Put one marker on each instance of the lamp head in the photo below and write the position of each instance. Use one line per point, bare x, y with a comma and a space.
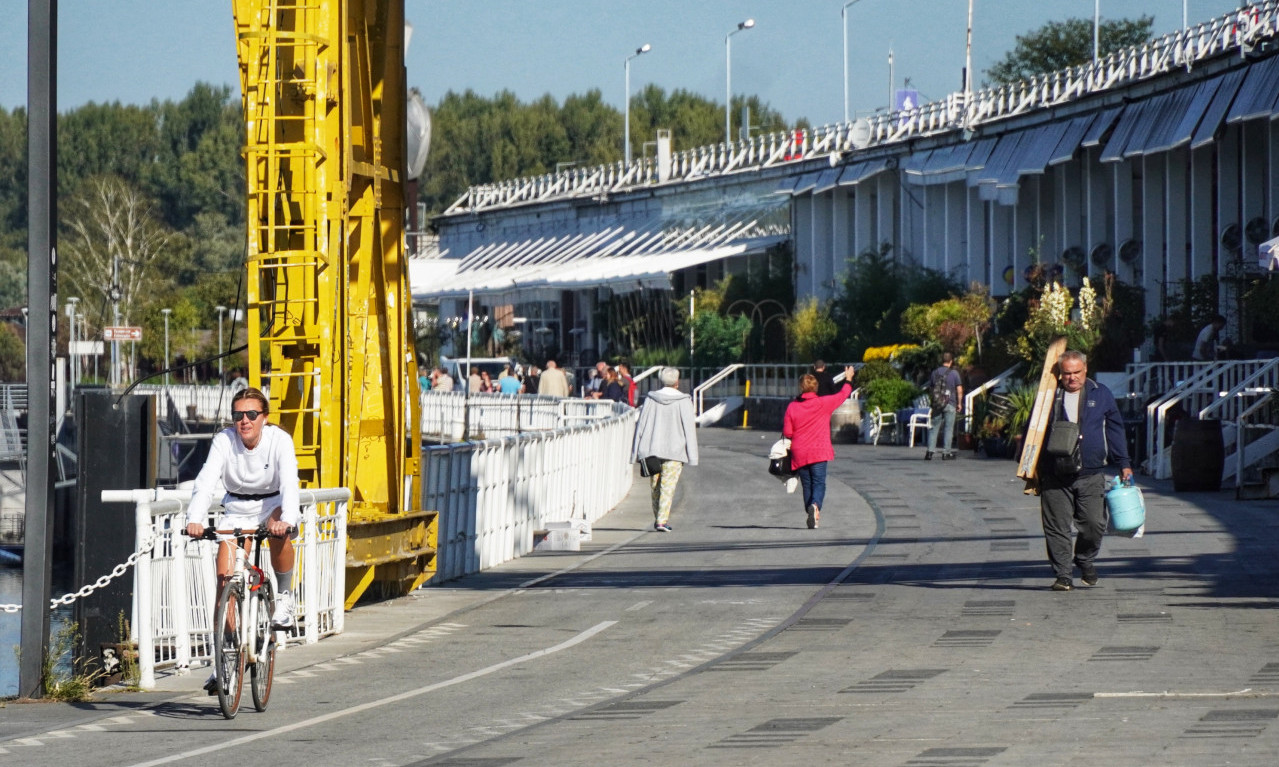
746, 24
645, 48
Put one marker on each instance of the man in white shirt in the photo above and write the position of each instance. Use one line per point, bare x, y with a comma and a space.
1207, 343
255, 465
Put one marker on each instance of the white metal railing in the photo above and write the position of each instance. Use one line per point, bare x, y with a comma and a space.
990, 385
1230, 406
455, 415
1250, 450
699, 393
1239, 31
491, 495
13, 397
1192, 395
175, 583
191, 400
1143, 380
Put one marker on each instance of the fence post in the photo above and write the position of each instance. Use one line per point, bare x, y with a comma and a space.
142, 598
179, 598
310, 570
339, 568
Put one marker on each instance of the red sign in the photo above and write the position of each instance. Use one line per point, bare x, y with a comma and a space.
122, 333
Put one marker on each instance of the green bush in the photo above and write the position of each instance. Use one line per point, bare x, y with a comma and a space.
875, 371
890, 395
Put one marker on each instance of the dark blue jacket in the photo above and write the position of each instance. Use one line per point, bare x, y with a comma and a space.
1101, 430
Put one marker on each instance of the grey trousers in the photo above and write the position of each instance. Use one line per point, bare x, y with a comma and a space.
1082, 500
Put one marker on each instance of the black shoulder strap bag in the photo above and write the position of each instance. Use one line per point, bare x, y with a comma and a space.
1062, 445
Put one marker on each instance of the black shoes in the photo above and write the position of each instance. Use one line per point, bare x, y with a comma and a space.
661, 527
1063, 584
1088, 575
948, 456
928, 455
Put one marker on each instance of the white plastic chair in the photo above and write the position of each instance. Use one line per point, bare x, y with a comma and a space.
920, 421
878, 420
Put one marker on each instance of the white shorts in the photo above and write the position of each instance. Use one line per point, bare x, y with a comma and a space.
245, 514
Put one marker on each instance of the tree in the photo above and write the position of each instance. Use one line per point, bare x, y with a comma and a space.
13, 355
112, 226
1059, 45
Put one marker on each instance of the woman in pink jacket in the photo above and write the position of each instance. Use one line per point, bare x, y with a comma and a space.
807, 426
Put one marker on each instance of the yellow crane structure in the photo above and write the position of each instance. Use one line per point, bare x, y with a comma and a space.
330, 326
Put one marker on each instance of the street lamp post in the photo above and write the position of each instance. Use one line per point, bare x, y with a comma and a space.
728, 78
220, 310
626, 129
166, 313
843, 22
71, 341
1096, 30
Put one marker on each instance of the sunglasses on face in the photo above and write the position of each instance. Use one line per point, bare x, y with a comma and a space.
252, 415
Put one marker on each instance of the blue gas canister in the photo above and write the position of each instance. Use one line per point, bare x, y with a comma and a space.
1127, 507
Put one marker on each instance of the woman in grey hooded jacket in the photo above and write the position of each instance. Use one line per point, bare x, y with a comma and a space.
666, 431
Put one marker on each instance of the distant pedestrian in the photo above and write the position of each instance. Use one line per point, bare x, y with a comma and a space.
595, 380
666, 430
612, 388
1073, 489
474, 382
509, 383
553, 382
628, 383
807, 426
532, 379
825, 379
1207, 344
238, 382
441, 381
945, 399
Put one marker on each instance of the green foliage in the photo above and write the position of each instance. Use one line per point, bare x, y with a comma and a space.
811, 331
13, 355
767, 296
1021, 401
1058, 45
718, 340
1123, 328
890, 395
956, 323
876, 291
482, 140
65, 678
643, 358
875, 371
1261, 305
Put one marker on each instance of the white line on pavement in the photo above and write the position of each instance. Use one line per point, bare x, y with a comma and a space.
582, 637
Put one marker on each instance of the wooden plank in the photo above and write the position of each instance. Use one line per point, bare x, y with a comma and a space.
1038, 427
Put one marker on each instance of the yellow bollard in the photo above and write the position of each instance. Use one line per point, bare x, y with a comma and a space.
746, 412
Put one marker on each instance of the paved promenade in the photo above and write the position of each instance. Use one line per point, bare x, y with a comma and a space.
914, 627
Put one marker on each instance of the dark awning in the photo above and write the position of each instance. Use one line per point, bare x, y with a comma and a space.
857, 172
1161, 112
806, 182
993, 168
1070, 139
1129, 122
1097, 131
1207, 130
1183, 127
1258, 93
1041, 143
828, 180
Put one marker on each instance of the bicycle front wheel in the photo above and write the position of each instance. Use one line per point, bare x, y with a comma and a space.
228, 661
263, 668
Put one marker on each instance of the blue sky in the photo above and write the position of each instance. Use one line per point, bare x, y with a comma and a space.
135, 50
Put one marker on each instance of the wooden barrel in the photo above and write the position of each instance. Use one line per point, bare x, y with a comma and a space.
1198, 456
846, 422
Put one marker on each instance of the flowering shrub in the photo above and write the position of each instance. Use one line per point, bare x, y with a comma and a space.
887, 353
1050, 316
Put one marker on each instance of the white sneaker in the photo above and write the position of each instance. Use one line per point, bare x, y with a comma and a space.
282, 618
791, 484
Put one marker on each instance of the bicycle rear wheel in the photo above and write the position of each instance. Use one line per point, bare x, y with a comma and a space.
263, 669
228, 661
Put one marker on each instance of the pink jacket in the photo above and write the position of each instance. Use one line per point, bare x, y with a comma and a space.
807, 425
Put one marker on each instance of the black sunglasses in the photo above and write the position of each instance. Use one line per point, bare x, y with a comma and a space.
236, 415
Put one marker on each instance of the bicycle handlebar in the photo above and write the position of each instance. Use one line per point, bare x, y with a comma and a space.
212, 533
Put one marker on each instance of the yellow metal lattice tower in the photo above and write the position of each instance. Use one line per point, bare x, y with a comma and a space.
329, 310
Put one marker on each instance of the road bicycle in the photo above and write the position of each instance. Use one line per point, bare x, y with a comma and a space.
242, 633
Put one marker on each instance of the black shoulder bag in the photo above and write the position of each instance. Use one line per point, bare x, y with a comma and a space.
1062, 445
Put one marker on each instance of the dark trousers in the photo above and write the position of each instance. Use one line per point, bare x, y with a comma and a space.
1079, 499
813, 478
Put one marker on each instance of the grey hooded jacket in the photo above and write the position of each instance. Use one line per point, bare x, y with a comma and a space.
666, 427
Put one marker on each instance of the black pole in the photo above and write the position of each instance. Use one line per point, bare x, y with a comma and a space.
42, 334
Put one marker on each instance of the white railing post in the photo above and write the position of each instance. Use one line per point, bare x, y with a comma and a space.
179, 603
311, 570
142, 596
339, 582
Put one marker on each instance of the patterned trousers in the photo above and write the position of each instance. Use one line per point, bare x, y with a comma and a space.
663, 487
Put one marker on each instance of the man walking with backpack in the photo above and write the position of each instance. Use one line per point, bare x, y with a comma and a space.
945, 396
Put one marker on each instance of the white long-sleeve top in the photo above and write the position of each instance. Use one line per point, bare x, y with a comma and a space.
271, 467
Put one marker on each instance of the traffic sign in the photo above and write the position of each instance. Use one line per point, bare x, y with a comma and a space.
122, 333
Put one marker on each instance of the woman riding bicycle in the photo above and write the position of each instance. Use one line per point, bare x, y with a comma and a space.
254, 463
